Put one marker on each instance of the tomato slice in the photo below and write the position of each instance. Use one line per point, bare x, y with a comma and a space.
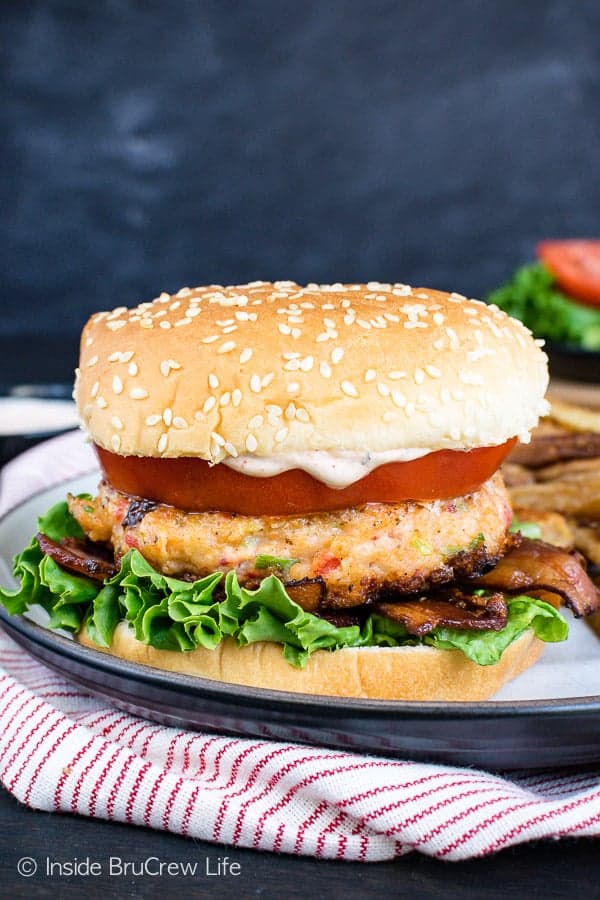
191, 484
576, 266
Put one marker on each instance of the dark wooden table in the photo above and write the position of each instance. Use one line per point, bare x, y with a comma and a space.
569, 868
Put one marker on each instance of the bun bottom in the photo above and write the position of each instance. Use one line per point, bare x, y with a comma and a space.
383, 673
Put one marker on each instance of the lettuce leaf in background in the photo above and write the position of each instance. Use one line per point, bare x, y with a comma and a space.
533, 297
171, 614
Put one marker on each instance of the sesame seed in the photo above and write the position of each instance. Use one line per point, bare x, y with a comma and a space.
284, 329
325, 369
153, 420
138, 394
433, 371
210, 339
245, 355
218, 438
230, 329
337, 355
179, 422
438, 344
101, 403
119, 323
363, 324
229, 448
227, 347
296, 333
146, 323
162, 442
92, 361
255, 384
323, 336
281, 435
213, 381
307, 363
397, 375
291, 354
115, 442
292, 387
164, 324
256, 422
419, 376
117, 385
389, 416
251, 443
370, 375
225, 398
116, 423
438, 318
236, 397
302, 415
292, 365
290, 411
167, 365
209, 404
383, 389
398, 398
349, 389
120, 357
95, 388
167, 416
133, 369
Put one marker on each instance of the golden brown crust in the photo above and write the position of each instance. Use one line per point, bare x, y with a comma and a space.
266, 369
384, 673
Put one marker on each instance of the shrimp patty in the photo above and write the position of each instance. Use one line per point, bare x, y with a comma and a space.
357, 555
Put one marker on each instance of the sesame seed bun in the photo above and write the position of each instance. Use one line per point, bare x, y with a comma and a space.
382, 673
268, 369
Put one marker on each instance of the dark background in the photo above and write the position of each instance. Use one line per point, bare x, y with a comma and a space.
149, 145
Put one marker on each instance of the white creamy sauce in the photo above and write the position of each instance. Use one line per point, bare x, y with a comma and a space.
336, 470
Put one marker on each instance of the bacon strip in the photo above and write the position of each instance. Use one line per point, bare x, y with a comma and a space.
456, 610
535, 565
79, 556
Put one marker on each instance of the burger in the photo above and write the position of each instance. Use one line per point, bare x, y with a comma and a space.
300, 490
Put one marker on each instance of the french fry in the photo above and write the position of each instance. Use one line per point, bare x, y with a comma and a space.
573, 469
575, 418
579, 498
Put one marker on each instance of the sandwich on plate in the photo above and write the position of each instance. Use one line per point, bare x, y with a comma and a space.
300, 490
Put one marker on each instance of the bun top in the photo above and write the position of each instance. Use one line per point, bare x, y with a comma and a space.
267, 369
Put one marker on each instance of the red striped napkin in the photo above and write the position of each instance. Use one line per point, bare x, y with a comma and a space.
61, 749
